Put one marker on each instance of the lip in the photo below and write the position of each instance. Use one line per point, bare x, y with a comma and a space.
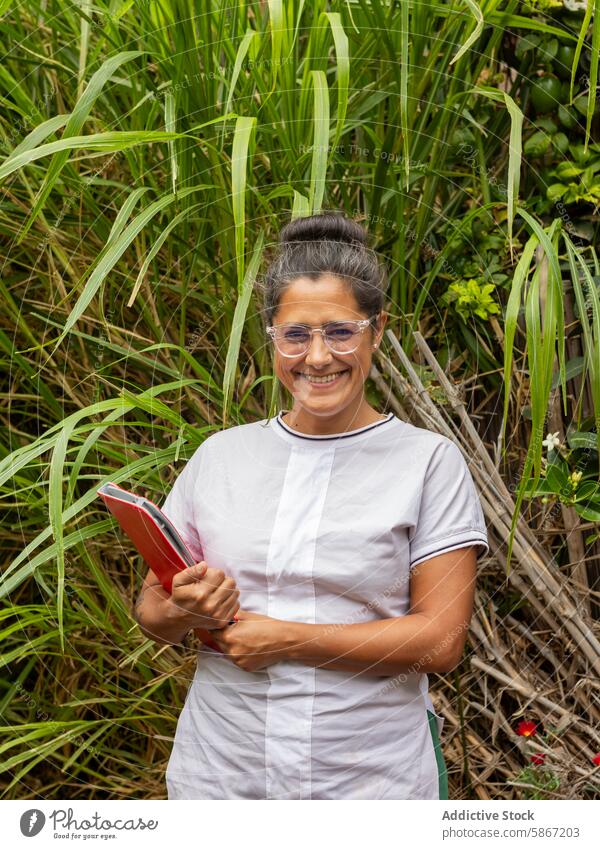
322, 386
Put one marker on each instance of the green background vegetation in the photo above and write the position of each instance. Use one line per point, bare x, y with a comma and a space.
150, 153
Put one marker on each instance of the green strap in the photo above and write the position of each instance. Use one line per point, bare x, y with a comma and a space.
441, 764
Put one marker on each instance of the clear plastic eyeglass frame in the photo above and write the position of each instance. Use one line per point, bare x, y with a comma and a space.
360, 325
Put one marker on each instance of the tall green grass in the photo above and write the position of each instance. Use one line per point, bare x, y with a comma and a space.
150, 153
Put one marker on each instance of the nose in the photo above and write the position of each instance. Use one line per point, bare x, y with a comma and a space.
318, 352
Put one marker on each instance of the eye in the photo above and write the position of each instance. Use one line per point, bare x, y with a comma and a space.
295, 333
340, 332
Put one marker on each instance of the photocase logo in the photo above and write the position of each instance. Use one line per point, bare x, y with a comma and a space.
64, 824
32, 822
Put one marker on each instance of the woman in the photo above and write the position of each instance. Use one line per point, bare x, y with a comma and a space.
344, 541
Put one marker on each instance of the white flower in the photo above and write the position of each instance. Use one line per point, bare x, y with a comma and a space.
551, 441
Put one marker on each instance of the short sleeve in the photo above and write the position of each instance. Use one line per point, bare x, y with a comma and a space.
450, 514
180, 504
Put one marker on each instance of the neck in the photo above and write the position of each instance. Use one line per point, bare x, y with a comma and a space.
351, 417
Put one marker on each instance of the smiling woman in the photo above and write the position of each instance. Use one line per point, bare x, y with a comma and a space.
327, 279
350, 538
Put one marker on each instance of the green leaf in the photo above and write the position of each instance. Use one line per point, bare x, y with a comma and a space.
573, 367
556, 190
244, 127
111, 254
342, 64
568, 170
582, 439
475, 9
510, 321
241, 54
73, 126
557, 475
320, 141
533, 490
591, 330
239, 317
38, 134
587, 513
97, 141
588, 490
537, 144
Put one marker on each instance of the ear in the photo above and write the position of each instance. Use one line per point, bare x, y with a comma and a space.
381, 322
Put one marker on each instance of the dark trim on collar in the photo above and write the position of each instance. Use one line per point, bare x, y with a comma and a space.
347, 435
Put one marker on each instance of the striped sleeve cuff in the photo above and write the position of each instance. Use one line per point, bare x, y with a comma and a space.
461, 539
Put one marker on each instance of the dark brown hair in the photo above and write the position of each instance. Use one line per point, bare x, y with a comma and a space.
327, 243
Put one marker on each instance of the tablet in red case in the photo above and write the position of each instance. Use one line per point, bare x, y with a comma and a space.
154, 536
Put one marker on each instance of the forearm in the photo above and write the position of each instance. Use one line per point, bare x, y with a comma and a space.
160, 620
406, 644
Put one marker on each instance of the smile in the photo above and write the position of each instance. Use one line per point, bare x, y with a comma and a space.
324, 380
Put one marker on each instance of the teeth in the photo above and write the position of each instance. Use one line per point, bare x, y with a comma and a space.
329, 379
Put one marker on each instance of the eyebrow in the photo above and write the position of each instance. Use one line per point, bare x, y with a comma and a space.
329, 321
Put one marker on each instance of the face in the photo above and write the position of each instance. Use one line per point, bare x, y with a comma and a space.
316, 302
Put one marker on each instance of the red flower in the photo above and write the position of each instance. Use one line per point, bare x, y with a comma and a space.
538, 758
596, 759
526, 728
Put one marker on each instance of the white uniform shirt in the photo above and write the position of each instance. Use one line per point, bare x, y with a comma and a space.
317, 529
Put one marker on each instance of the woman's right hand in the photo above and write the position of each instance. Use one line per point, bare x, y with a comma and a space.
205, 597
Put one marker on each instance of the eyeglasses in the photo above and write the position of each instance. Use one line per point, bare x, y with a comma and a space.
341, 337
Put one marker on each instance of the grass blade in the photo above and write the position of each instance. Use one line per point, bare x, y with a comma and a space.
478, 15
239, 168
320, 141
55, 515
510, 323
112, 253
514, 163
239, 318
591, 334
73, 126
342, 61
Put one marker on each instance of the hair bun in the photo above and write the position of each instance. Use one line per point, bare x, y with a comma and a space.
325, 244
324, 226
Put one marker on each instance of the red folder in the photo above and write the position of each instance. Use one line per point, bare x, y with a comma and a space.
154, 536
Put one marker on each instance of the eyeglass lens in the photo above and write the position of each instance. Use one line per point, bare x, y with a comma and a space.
340, 337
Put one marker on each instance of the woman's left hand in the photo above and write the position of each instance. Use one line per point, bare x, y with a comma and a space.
253, 642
